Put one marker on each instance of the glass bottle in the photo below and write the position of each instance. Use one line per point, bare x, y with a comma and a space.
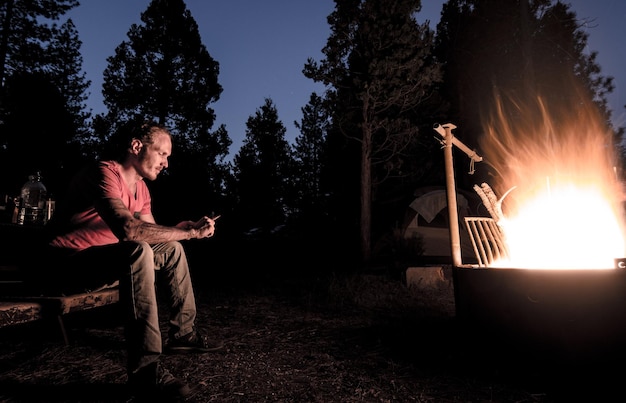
32, 202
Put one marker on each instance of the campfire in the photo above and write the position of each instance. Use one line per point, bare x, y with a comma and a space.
563, 205
545, 277
561, 198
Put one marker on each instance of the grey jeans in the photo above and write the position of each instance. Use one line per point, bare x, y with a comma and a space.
141, 269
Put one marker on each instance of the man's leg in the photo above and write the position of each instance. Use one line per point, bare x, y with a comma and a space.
171, 261
137, 289
146, 375
132, 263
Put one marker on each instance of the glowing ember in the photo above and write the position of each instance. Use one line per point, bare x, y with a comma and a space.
570, 228
566, 209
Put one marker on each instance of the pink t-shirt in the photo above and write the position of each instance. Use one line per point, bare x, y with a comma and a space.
84, 226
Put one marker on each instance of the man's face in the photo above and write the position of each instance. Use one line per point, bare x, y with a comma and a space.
153, 157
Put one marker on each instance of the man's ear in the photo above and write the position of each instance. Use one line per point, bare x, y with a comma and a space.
135, 146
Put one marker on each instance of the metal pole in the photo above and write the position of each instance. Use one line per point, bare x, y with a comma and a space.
455, 236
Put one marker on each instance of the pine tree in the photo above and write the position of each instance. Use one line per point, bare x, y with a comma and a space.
42, 92
380, 72
69, 76
263, 168
164, 72
26, 32
530, 49
309, 154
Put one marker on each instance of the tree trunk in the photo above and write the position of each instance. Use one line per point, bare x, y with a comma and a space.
366, 194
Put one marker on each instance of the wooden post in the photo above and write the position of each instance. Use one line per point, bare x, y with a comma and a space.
448, 141
453, 214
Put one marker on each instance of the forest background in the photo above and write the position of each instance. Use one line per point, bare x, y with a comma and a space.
365, 144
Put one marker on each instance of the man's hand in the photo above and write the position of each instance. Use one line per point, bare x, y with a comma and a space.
203, 228
206, 231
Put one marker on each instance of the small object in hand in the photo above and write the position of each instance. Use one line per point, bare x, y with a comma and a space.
201, 223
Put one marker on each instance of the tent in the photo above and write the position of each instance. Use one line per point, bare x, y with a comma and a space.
427, 217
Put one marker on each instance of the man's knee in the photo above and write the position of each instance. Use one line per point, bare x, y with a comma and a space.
140, 253
169, 255
174, 249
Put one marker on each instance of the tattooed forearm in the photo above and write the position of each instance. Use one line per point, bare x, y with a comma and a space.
128, 228
137, 230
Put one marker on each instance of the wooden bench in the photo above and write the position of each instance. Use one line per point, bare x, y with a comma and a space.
19, 307
15, 310
16, 313
18, 304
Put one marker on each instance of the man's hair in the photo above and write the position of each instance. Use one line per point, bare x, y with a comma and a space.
147, 131
143, 130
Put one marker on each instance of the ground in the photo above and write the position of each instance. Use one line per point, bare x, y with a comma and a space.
297, 337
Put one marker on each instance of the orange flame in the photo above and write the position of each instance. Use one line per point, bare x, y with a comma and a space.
566, 209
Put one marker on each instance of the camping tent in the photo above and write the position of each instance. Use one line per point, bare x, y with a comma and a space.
427, 217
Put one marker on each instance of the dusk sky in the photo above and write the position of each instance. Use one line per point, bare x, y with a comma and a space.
262, 46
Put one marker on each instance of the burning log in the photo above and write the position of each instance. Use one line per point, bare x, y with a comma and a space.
492, 203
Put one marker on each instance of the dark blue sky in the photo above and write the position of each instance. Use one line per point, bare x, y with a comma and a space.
262, 46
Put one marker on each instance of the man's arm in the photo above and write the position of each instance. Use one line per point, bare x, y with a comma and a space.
128, 228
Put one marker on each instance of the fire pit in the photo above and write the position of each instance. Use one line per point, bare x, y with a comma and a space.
545, 279
567, 313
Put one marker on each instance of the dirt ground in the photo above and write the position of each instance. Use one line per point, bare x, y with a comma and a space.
301, 337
